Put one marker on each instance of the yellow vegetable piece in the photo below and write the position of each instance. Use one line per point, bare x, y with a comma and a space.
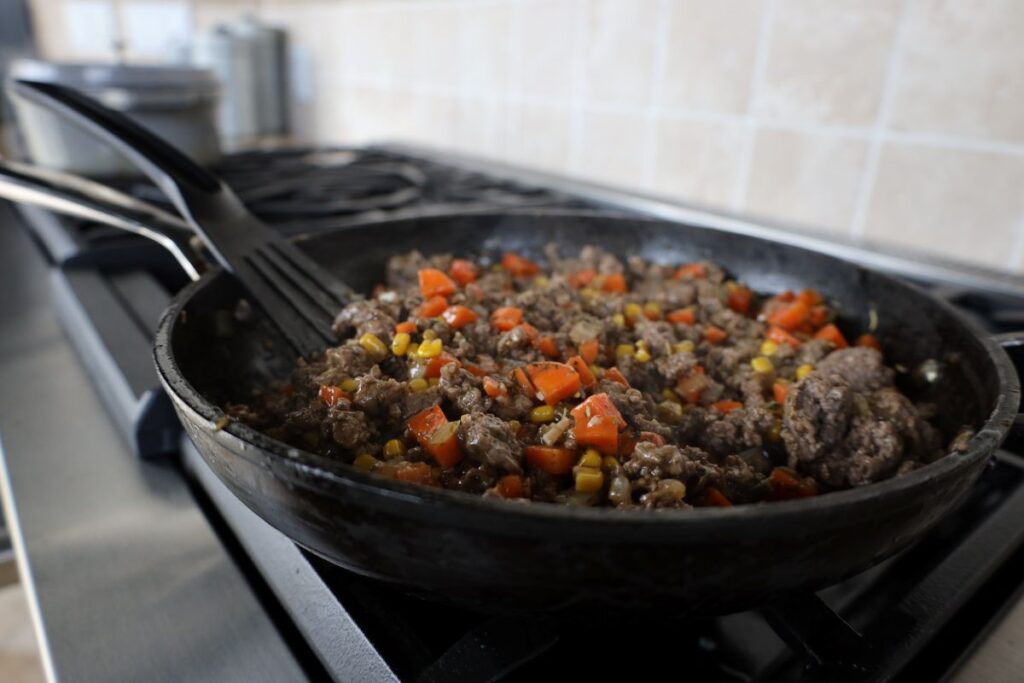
590, 458
633, 311
619, 319
373, 345
684, 347
623, 350
643, 355
762, 365
652, 308
430, 348
417, 385
429, 334
804, 370
433, 381
609, 463
542, 414
400, 344
349, 385
394, 448
768, 348
670, 395
589, 480
365, 462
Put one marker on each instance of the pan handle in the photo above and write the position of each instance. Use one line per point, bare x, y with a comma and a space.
1013, 344
76, 196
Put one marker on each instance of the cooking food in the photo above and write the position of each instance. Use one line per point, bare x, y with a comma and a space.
590, 381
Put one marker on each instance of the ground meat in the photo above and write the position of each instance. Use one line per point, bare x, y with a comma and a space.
674, 353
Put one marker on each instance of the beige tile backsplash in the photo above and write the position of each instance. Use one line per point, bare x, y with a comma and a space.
901, 121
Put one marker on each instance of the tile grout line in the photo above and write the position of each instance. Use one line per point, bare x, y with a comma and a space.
649, 159
764, 36
865, 191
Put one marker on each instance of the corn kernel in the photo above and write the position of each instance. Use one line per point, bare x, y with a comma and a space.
804, 370
619, 320
590, 458
541, 281
413, 348
394, 448
643, 355
430, 348
373, 345
542, 414
429, 334
400, 344
768, 348
433, 381
623, 350
609, 463
731, 286
762, 365
670, 395
652, 309
684, 347
633, 311
597, 370
775, 432
364, 461
417, 385
349, 385
589, 480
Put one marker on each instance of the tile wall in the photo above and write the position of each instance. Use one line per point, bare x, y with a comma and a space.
899, 121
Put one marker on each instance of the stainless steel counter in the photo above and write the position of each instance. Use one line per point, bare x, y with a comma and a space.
126, 579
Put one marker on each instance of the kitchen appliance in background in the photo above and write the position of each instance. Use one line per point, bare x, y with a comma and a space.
249, 59
179, 103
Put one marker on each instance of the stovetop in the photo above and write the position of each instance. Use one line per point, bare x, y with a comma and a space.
913, 617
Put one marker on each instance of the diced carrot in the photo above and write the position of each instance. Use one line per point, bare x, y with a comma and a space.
598, 404
443, 445
780, 336
530, 330
785, 297
693, 385
476, 370
424, 423
582, 278
683, 316
818, 316
506, 318
598, 431
463, 271
510, 486
740, 300
494, 388
587, 378
332, 395
697, 271
810, 297
408, 327
613, 374
554, 381
433, 307
415, 473
435, 364
458, 317
548, 347
726, 406
786, 484
524, 382
779, 392
551, 460
519, 266
870, 341
433, 282
790, 317
712, 497
831, 333
590, 350
615, 282
652, 437
714, 335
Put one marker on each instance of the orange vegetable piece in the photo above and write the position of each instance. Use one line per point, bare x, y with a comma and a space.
554, 381
780, 336
600, 405
530, 330
548, 347
433, 307
463, 271
332, 395
443, 445
582, 278
415, 473
714, 335
712, 497
740, 299
615, 282
433, 282
524, 382
869, 340
810, 297
818, 316
590, 350
786, 484
697, 271
727, 406
458, 317
506, 318
598, 431
424, 423
551, 460
831, 333
790, 317
613, 374
652, 437
786, 296
519, 266
435, 364
494, 388
779, 392
408, 327
476, 370
587, 378
510, 486
683, 316
693, 385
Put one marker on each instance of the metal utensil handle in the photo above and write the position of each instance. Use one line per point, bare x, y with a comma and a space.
19, 183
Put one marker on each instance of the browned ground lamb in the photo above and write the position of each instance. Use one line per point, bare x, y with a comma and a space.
593, 381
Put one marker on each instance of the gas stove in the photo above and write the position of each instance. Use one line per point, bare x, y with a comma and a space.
917, 616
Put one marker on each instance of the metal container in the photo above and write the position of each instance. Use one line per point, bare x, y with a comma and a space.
177, 103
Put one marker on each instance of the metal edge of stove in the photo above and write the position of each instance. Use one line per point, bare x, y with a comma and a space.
893, 260
339, 642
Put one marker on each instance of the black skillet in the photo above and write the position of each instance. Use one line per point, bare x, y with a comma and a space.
498, 556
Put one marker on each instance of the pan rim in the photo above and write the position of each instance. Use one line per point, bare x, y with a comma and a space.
479, 509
